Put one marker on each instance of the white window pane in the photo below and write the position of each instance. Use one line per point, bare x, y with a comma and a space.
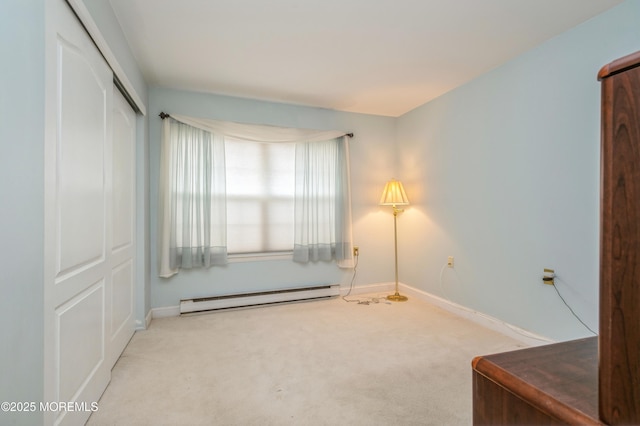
260, 190
244, 168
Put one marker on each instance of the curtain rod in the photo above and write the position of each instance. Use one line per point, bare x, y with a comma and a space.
164, 115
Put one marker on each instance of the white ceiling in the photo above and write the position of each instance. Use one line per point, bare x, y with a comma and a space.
381, 57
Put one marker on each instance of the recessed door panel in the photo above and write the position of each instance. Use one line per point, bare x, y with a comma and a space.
80, 340
123, 172
121, 298
82, 138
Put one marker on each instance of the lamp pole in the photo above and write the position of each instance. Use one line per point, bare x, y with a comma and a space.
397, 297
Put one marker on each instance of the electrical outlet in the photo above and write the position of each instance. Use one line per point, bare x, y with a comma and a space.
356, 250
450, 262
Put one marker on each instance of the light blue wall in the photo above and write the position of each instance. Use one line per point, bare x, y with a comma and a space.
372, 163
504, 175
104, 17
22, 205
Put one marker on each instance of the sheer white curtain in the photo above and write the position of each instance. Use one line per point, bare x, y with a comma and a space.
195, 146
322, 203
192, 215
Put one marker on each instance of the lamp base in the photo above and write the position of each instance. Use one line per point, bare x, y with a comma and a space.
397, 297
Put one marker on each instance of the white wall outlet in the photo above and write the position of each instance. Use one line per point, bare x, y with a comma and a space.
450, 262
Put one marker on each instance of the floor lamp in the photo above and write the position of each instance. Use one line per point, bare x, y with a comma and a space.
394, 195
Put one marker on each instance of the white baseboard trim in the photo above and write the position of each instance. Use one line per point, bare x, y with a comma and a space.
148, 319
143, 324
165, 312
522, 335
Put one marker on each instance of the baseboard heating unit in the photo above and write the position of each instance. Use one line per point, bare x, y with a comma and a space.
262, 298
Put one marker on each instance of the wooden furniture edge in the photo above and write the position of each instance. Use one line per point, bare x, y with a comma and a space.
618, 375
619, 65
531, 394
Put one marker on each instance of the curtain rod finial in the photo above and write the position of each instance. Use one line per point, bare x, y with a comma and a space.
163, 115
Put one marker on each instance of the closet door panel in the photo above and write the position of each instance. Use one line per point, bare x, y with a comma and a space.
77, 204
121, 293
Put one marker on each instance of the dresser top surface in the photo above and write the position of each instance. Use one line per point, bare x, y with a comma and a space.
561, 378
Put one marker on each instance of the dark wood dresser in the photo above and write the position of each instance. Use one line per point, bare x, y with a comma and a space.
594, 380
545, 385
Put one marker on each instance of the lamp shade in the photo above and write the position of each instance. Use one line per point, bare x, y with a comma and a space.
393, 194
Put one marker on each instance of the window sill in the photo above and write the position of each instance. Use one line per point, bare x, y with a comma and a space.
259, 257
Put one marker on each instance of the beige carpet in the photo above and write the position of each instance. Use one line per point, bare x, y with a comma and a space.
318, 363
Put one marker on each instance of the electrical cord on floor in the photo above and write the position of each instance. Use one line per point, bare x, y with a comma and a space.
353, 277
567, 305
366, 301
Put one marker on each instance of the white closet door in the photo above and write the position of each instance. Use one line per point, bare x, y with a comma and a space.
120, 301
78, 217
